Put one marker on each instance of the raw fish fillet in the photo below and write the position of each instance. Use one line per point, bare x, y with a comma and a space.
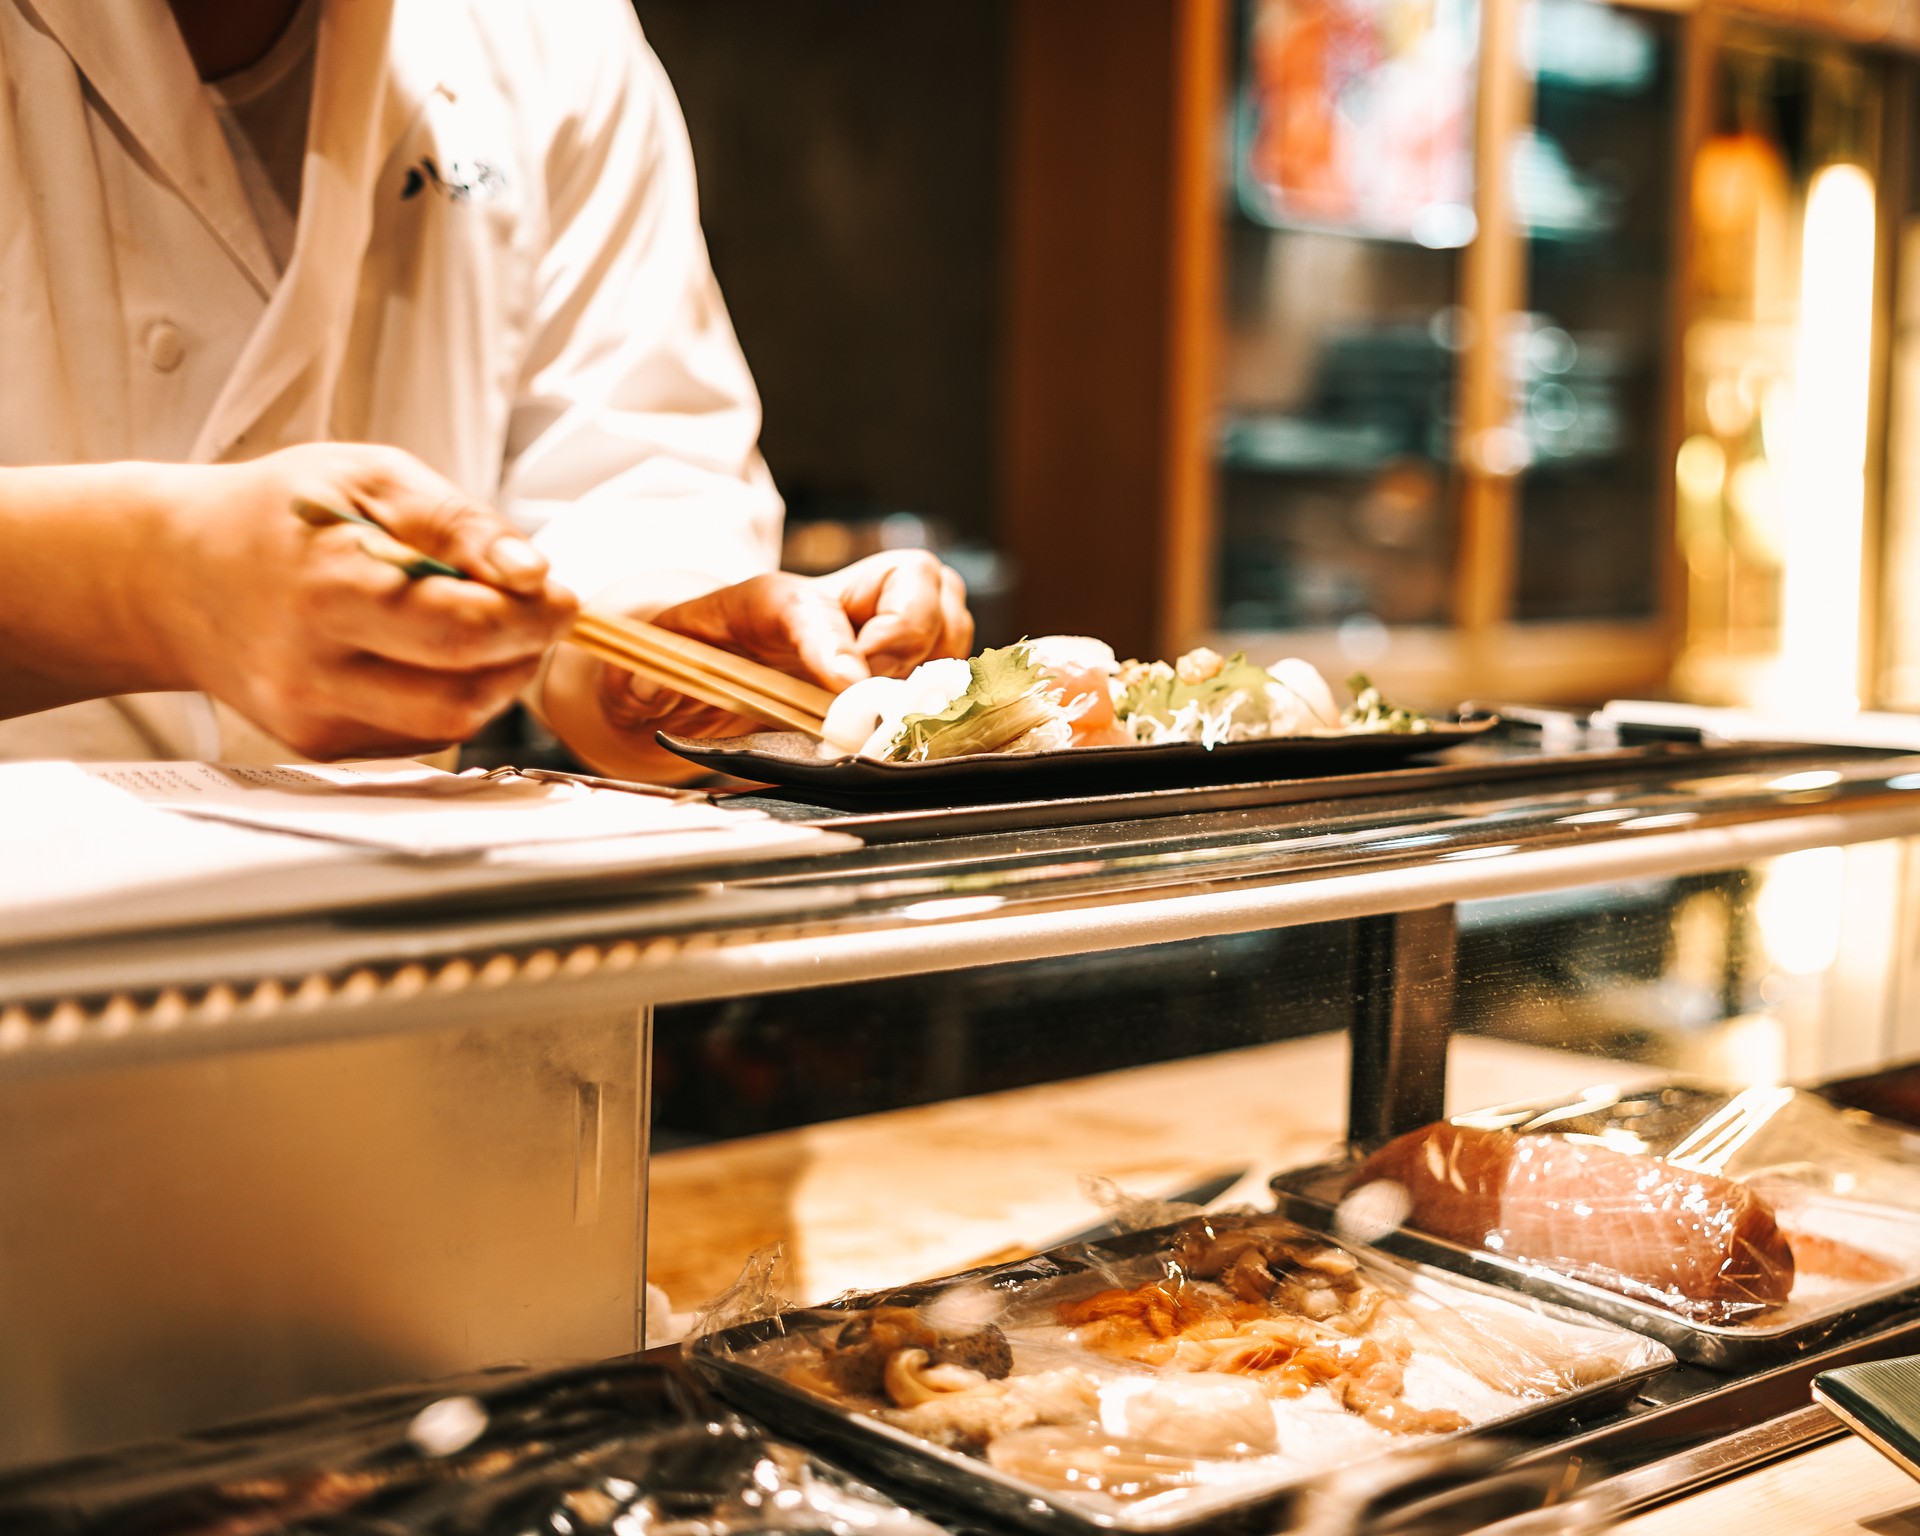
1702, 1246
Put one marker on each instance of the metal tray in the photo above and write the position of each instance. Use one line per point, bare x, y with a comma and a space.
788, 758
967, 1483
1311, 1196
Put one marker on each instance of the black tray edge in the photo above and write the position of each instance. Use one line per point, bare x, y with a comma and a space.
1142, 764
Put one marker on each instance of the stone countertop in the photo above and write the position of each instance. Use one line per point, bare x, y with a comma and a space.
884, 1199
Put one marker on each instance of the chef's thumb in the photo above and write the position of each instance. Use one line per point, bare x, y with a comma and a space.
823, 637
435, 518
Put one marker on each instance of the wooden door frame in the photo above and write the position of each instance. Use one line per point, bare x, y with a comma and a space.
1112, 315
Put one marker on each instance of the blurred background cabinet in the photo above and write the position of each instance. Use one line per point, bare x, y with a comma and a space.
1539, 348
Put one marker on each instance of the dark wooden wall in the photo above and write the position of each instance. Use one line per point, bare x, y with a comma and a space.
971, 253
1109, 314
849, 154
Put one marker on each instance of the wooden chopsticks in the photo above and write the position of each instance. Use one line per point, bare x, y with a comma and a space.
702, 671
688, 666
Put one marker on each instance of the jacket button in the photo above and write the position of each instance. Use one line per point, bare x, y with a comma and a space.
165, 346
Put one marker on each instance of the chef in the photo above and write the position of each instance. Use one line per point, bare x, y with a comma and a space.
435, 261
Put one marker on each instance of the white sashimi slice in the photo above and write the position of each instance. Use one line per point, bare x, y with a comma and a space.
856, 714
1072, 653
1312, 700
866, 718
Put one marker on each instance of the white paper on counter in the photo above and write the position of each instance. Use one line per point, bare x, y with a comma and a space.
1861, 728
402, 806
81, 856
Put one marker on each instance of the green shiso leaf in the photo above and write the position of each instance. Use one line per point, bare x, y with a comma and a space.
1006, 698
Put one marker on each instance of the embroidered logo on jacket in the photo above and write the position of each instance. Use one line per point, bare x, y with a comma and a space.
463, 179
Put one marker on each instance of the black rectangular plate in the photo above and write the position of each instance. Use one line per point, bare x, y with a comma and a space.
791, 759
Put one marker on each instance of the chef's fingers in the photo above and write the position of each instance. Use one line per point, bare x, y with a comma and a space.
816, 627
633, 704
905, 619
791, 622
424, 509
436, 622
355, 704
956, 618
702, 722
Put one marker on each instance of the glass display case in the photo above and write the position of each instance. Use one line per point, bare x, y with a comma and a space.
1349, 324
1593, 195
1547, 424
1444, 426
254, 1163
1353, 192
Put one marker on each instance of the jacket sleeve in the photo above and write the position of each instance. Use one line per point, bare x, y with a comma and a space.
631, 446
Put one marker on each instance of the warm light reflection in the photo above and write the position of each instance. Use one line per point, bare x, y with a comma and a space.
1701, 468
1749, 1049
1798, 910
1813, 778
941, 908
1826, 461
1595, 818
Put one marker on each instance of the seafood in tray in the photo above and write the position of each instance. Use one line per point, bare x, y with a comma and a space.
1063, 712
1164, 1377
1734, 1226
1064, 691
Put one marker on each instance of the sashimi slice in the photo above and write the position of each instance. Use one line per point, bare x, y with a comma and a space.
1700, 1245
1087, 698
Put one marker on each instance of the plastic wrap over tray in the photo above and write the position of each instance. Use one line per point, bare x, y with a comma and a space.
618, 1448
1757, 1221
1166, 1376
1700, 1245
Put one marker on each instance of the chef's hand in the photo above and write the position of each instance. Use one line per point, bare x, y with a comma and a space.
335, 652
883, 615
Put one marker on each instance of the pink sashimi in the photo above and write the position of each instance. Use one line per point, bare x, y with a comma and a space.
1702, 1246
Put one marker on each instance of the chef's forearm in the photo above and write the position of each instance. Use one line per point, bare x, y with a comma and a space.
77, 551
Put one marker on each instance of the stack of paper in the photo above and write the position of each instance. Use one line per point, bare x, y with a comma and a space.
96, 848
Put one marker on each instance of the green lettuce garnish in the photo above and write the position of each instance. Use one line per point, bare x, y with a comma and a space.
1159, 694
1370, 712
1006, 698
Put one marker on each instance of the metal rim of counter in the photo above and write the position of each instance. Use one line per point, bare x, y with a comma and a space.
217, 991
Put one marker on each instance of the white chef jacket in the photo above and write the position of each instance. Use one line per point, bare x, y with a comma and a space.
498, 266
